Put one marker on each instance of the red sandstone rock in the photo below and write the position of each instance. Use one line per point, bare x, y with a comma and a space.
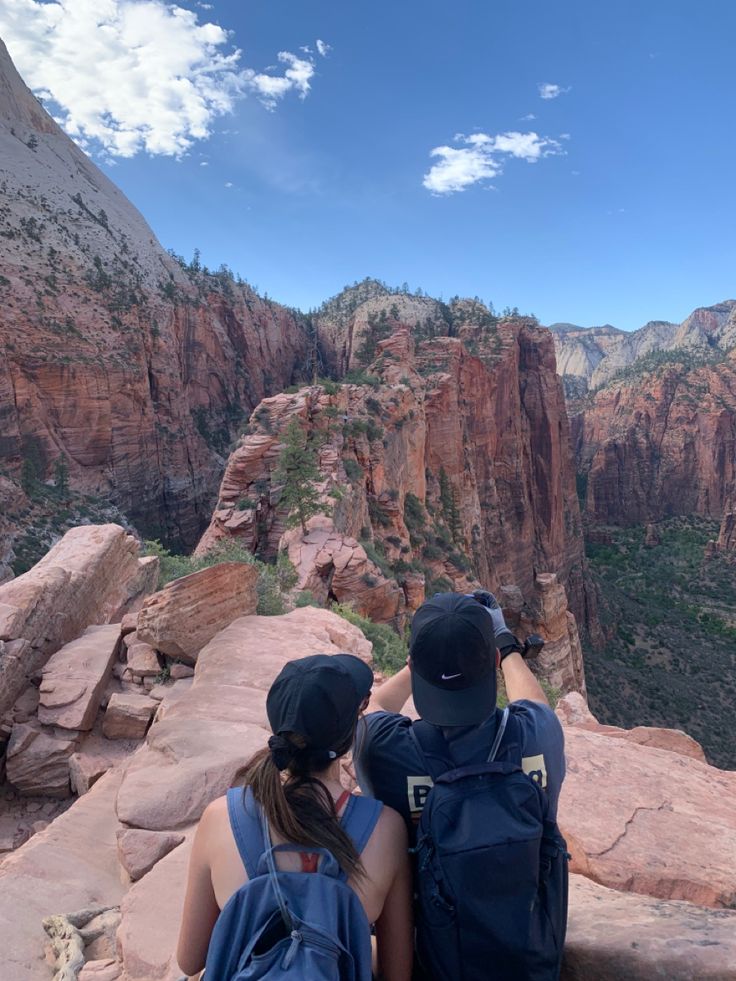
613, 935
100, 970
181, 618
125, 381
179, 671
494, 425
652, 449
128, 716
74, 679
143, 661
89, 577
663, 824
573, 710
38, 763
139, 851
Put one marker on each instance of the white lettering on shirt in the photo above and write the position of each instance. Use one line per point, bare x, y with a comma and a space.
418, 789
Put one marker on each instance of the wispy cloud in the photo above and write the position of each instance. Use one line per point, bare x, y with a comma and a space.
548, 90
125, 76
481, 157
530, 117
323, 48
270, 89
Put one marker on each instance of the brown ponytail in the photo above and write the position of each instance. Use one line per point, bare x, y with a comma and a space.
300, 808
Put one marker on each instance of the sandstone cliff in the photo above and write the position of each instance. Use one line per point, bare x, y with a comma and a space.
659, 443
118, 367
445, 463
590, 357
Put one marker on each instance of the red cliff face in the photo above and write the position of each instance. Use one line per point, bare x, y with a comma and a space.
114, 359
659, 444
449, 467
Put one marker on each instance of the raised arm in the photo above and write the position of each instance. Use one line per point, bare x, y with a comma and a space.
393, 694
519, 680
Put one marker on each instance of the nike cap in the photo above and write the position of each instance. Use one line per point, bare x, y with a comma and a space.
453, 655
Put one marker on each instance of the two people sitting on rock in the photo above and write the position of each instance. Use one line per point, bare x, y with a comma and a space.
472, 787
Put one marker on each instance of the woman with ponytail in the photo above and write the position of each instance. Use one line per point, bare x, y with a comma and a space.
293, 787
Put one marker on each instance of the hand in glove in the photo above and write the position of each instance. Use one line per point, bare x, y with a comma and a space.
505, 640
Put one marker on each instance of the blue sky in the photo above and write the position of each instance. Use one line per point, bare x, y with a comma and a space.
624, 216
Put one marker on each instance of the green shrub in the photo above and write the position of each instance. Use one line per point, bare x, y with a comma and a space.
389, 649
305, 598
353, 470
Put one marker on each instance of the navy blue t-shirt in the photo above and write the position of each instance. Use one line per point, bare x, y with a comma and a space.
390, 768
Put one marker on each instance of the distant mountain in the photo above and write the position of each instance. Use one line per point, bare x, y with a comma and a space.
589, 357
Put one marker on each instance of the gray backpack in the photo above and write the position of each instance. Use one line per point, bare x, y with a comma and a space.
291, 925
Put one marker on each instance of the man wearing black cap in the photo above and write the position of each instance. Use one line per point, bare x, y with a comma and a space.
457, 642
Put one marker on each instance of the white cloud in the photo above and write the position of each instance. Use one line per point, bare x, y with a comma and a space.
270, 89
530, 117
548, 90
126, 76
481, 158
323, 48
228, 183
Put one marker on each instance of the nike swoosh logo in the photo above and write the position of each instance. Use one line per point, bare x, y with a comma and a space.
449, 677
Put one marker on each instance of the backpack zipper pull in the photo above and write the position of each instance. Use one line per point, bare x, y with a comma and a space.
296, 939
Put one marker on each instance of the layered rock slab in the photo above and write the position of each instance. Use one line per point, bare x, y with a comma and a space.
188, 612
89, 577
74, 679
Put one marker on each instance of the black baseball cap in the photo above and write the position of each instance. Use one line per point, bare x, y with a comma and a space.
453, 656
318, 697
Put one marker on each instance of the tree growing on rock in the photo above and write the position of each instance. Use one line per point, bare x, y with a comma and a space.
298, 473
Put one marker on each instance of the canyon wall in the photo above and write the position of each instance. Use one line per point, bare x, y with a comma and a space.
447, 464
659, 443
123, 372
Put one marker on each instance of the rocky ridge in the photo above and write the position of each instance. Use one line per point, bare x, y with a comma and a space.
589, 357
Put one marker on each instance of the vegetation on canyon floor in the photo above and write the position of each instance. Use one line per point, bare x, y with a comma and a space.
670, 618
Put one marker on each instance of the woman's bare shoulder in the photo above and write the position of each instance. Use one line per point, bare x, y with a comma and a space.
390, 828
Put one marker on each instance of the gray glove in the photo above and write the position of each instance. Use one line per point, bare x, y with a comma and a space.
505, 640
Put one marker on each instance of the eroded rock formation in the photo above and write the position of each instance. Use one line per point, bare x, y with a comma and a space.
122, 374
446, 464
659, 444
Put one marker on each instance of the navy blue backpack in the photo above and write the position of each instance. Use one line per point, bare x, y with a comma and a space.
291, 925
492, 871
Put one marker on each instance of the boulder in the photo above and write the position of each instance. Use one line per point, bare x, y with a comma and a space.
139, 851
179, 671
74, 679
38, 762
572, 709
188, 612
94, 756
663, 824
613, 935
143, 661
128, 716
89, 577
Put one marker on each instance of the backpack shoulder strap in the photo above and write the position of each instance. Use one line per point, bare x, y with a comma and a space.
360, 818
431, 746
247, 828
509, 739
